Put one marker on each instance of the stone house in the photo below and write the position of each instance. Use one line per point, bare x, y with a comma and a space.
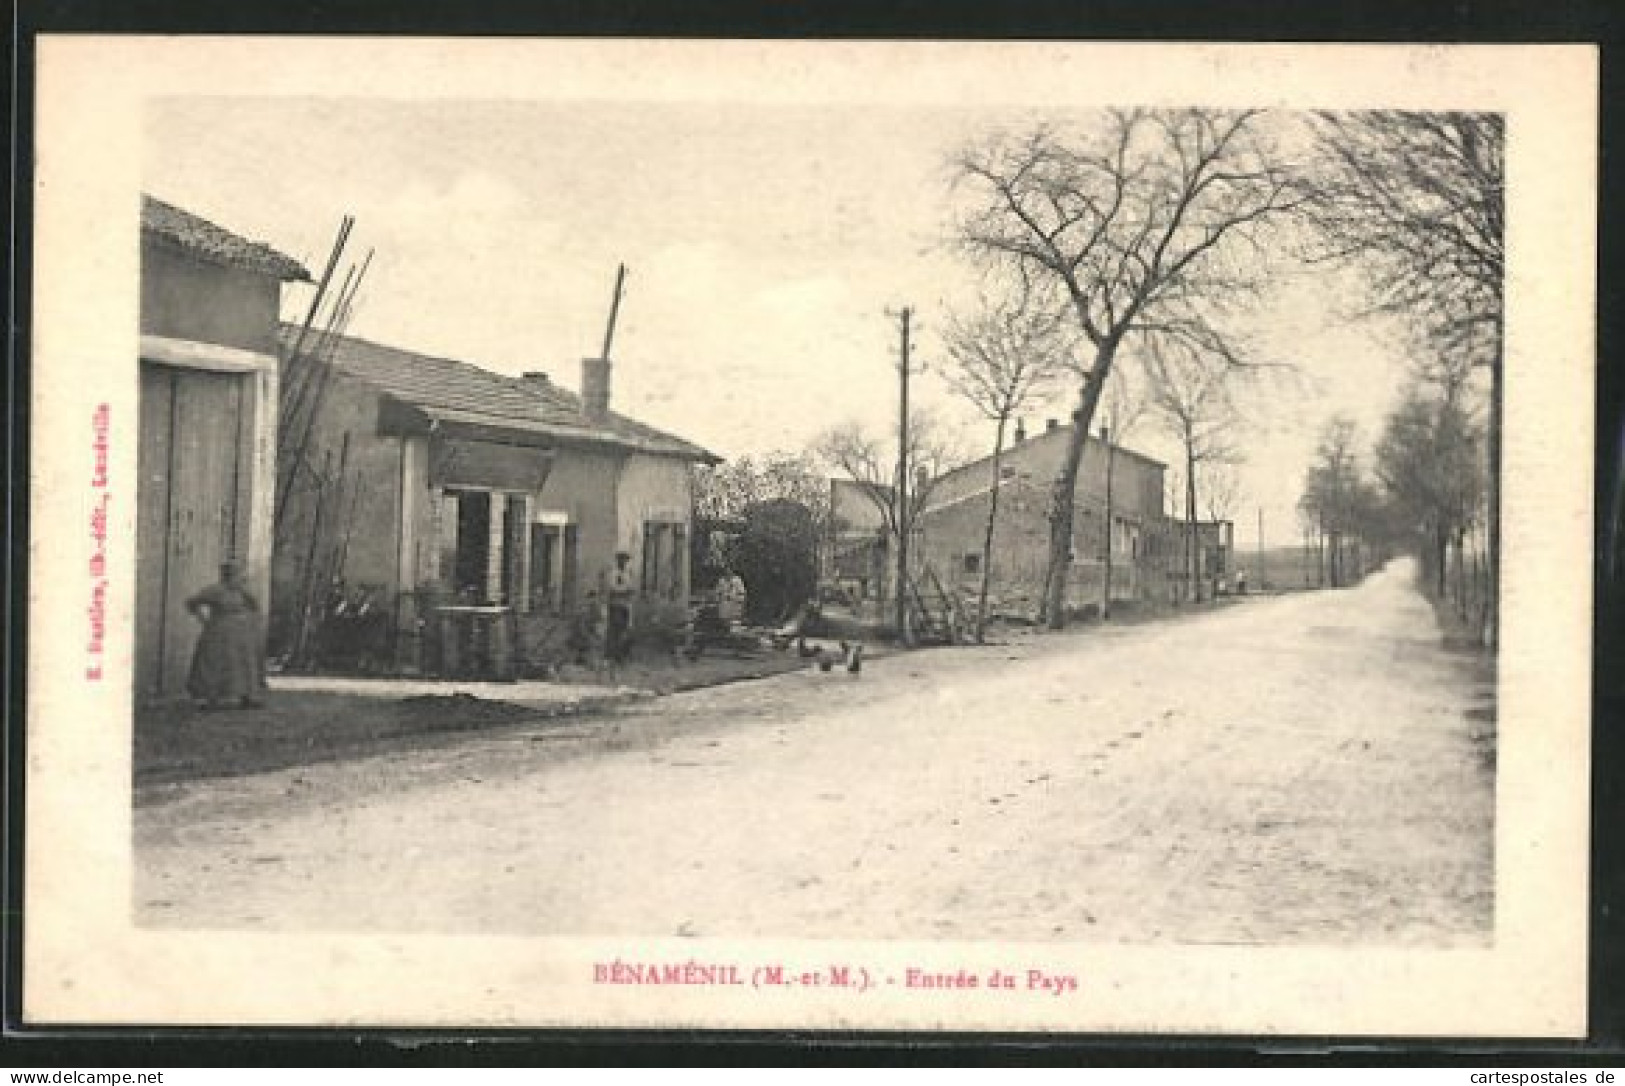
951, 529
445, 486
207, 429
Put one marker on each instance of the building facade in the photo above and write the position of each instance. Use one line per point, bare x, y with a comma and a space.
1118, 521
208, 426
1214, 566
857, 550
430, 485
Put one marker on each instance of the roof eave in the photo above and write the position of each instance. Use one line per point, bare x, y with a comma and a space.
272, 265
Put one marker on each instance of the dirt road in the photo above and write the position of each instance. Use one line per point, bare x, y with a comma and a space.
1290, 770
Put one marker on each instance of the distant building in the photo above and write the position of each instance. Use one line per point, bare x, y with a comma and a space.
856, 551
1215, 555
208, 426
950, 530
467, 489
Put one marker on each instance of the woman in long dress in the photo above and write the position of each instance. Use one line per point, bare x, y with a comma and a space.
228, 666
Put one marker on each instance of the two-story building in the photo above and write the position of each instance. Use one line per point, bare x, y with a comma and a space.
1119, 491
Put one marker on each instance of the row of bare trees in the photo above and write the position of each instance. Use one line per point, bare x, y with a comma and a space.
1117, 256
1148, 230
1432, 463
1133, 239
1416, 201
1427, 489
1341, 510
1152, 228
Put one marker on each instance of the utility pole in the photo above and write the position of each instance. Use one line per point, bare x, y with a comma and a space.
1260, 576
905, 522
1106, 595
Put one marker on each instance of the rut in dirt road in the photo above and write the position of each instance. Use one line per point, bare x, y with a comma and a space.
1291, 770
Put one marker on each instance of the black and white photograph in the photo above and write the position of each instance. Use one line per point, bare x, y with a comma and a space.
870, 535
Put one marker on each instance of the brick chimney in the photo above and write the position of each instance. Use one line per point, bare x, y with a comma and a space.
1021, 431
595, 389
537, 379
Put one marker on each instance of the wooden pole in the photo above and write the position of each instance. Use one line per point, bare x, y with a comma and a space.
345, 225
614, 309
300, 390
293, 429
900, 492
302, 630
1106, 595
322, 377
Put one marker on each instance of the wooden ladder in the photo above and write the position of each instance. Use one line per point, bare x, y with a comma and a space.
945, 623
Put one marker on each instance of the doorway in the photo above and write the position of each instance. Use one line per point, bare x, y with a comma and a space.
190, 510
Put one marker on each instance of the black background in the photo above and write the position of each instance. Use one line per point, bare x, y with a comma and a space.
1596, 21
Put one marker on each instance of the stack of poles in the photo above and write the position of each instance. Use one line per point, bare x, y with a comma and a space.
336, 497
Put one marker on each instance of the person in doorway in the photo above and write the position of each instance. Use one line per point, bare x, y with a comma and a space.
228, 666
621, 591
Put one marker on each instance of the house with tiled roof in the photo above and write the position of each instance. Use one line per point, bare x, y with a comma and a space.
1118, 518
206, 464
451, 490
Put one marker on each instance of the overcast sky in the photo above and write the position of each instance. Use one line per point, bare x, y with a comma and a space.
765, 246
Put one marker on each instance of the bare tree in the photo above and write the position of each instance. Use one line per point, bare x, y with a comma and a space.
1416, 201
1151, 221
1001, 358
1221, 491
1124, 404
871, 463
1428, 461
1336, 492
1191, 396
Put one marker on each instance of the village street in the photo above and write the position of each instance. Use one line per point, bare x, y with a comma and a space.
1298, 769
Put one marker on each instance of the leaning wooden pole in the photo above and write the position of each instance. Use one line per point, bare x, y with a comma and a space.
294, 430
614, 309
322, 375
300, 389
315, 305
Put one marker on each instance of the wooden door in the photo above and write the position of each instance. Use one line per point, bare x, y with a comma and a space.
514, 525
154, 462
191, 515
544, 552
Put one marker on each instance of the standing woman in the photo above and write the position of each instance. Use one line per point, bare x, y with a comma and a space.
618, 641
228, 666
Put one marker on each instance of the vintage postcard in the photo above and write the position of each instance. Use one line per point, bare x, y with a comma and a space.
962, 536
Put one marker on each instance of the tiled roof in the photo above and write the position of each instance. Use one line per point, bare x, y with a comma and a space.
1017, 482
203, 238
1059, 433
453, 391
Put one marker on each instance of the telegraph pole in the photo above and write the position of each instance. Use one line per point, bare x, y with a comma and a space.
904, 520
1106, 595
1260, 576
